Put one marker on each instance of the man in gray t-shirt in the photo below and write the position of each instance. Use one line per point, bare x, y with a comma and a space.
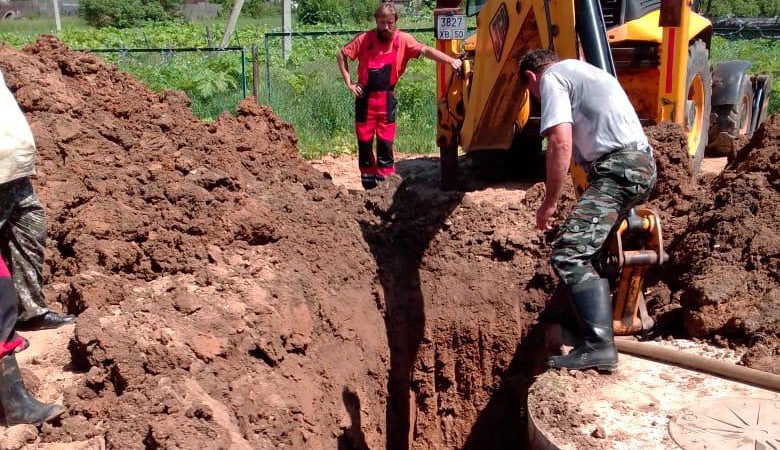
587, 116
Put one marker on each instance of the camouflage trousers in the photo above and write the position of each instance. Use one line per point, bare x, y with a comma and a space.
22, 242
616, 182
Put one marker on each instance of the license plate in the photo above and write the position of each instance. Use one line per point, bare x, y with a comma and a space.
451, 27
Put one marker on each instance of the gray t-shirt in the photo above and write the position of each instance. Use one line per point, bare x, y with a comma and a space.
593, 101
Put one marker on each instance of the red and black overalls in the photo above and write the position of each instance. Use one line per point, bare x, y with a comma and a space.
9, 340
375, 110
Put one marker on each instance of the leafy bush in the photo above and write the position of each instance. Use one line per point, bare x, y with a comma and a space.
126, 13
252, 8
335, 11
741, 8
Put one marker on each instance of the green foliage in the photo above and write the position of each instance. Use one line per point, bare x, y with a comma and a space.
335, 11
126, 13
166, 34
741, 8
252, 8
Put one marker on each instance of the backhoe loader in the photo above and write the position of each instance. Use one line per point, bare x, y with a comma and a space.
658, 50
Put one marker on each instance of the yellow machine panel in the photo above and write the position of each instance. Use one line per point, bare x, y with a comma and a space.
504, 34
646, 28
505, 31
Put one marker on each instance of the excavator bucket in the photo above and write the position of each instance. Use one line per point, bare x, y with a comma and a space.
636, 245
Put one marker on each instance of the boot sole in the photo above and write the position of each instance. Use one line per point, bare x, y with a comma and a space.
602, 368
606, 368
56, 413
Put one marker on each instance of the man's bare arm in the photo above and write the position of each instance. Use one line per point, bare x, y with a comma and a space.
356, 90
559, 148
440, 57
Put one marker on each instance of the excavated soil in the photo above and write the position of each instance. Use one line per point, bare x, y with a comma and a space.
728, 260
226, 295
231, 295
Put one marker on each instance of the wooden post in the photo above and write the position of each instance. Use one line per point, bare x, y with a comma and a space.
267, 69
255, 74
56, 6
209, 37
287, 28
231, 25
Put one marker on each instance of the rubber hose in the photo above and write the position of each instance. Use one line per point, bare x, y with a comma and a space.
700, 363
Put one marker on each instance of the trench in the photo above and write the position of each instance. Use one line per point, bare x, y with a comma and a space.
452, 383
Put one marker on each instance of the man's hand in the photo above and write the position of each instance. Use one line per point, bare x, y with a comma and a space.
543, 216
456, 64
356, 89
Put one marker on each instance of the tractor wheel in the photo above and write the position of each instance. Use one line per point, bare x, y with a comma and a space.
697, 107
763, 88
733, 121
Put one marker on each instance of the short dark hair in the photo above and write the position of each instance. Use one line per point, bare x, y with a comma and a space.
536, 61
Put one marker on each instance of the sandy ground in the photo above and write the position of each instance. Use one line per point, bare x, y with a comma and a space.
47, 373
343, 170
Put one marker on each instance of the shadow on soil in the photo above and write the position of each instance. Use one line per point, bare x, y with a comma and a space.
503, 422
410, 217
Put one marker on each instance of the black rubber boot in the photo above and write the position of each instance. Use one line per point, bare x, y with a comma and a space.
18, 405
45, 321
593, 305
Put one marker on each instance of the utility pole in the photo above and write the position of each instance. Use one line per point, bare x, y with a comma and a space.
287, 28
231, 25
56, 6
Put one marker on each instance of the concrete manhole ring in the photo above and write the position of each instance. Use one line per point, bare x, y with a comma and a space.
728, 424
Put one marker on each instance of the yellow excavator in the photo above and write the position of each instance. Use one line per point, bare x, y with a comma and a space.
659, 52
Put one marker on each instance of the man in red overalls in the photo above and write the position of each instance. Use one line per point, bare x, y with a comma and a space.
382, 55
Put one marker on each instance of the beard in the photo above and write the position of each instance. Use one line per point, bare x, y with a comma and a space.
384, 35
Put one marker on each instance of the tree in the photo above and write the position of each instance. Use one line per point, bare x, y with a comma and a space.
335, 11
127, 13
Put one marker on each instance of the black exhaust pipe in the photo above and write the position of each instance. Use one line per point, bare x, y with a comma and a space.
593, 35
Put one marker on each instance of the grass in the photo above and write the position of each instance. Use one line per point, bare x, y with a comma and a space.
38, 25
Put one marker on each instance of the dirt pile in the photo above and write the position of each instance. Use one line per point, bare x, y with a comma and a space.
729, 259
230, 294
722, 280
226, 295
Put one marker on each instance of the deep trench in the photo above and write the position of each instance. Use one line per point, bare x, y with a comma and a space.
398, 243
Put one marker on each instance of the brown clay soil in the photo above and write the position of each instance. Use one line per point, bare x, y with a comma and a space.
559, 409
232, 295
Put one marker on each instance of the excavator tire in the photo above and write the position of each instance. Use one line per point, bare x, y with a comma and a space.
699, 87
763, 88
733, 121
